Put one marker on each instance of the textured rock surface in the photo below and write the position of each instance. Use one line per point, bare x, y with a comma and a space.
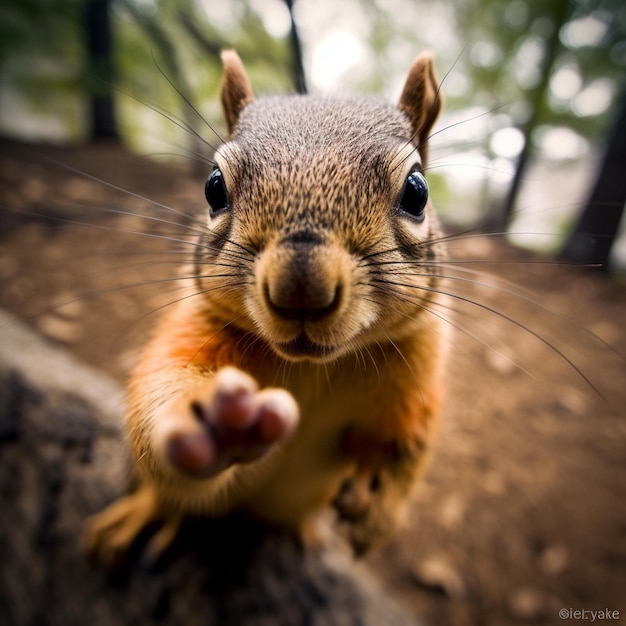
62, 458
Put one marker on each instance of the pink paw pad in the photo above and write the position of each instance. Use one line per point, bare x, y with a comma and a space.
239, 425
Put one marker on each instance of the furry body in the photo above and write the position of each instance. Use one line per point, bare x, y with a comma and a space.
304, 369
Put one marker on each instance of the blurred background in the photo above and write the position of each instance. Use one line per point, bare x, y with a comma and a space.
533, 135
522, 510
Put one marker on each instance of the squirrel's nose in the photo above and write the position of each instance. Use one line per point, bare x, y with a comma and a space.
303, 298
303, 283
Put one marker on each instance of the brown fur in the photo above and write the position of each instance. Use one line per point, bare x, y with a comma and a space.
318, 250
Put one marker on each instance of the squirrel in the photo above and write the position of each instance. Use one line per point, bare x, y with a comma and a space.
304, 369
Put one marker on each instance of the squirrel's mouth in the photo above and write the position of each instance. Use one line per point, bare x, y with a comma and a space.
303, 348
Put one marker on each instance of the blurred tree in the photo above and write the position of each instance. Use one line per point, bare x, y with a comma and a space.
296, 52
91, 57
39, 24
41, 52
520, 49
102, 123
557, 15
592, 237
168, 51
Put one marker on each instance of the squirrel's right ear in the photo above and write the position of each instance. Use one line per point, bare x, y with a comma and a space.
421, 100
236, 88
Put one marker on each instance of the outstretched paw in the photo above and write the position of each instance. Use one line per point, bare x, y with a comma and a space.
231, 422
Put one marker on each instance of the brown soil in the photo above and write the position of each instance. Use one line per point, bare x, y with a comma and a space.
522, 512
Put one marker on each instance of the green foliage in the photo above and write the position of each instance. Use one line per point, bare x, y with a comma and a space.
47, 25
41, 56
506, 44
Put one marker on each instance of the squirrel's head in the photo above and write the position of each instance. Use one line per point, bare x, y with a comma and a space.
321, 235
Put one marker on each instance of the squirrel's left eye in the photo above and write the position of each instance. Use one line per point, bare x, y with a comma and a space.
215, 192
414, 196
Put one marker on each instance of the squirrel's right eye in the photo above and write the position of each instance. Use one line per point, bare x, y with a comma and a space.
215, 192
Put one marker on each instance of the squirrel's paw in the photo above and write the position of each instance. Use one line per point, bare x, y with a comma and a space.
226, 420
368, 509
109, 534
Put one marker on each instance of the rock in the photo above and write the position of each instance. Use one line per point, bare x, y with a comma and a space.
62, 458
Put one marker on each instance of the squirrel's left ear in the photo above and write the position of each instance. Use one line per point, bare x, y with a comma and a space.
421, 100
236, 88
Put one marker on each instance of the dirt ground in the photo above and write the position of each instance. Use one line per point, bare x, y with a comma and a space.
521, 517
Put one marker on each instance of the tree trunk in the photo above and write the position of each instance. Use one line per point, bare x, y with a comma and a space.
103, 121
296, 53
596, 230
536, 99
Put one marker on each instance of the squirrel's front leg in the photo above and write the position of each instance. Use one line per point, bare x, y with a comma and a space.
188, 449
374, 500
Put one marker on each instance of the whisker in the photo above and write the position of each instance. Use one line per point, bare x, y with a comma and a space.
102, 291
148, 235
507, 318
111, 185
108, 228
187, 101
148, 218
436, 101
405, 157
193, 294
424, 305
210, 338
509, 289
486, 168
184, 126
187, 155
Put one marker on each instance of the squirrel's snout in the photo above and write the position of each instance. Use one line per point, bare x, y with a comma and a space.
303, 283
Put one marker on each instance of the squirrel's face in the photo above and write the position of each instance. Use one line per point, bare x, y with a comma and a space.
321, 236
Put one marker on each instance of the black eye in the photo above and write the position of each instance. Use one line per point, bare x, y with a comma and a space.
215, 192
414, 196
